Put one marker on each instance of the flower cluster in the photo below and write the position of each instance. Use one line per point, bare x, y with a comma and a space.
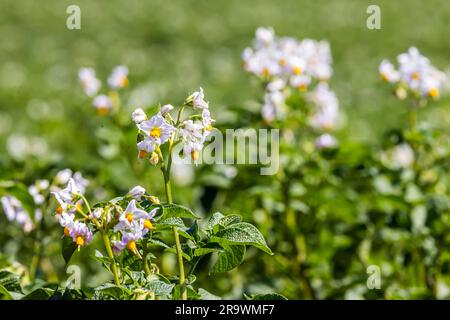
415, 75
39, 190
91, 86
325, 117
15, 211
133, 225
294, 62
70, 202
286, 63
161, 128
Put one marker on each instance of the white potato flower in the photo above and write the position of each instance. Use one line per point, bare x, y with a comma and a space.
14, 211
326, 141
138, 116
157, 129
416, 73
137, 192
88, 81
119, 77
102, 104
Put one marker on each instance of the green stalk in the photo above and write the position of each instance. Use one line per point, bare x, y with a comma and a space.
144, 258
168, 188
107, 244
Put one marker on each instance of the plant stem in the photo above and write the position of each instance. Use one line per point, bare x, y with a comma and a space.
144, 258
107, 244
180, 264
168, 188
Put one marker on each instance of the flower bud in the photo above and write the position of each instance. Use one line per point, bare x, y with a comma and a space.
154, 200
97, 213
165, 109
196, 100
137, 192
138, 116
401, 93
154, 159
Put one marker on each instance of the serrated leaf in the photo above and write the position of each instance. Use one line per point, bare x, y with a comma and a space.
229, 220
177, 211
160, 288
10, 281
157, 242
229, 259
112, 290
169, 222
213, 220
241, 233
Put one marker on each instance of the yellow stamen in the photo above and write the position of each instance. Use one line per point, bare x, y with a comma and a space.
102, 111
66, 231
415, 76
194, 155
433, 92
59, 210
124, 82
129, 217
265, 72
155, 132
131, 245
384, 77
296, 70
282, 61
302, 87
79, 240
79, 207
148, 225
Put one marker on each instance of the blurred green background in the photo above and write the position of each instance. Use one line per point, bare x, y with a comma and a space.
173, 47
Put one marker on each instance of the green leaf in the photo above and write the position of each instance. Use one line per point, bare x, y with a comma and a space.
205, 295
213, 220
268, 296
163, 224
101, 258
111, 290
229, 259
202, 251
157, 242
230, 219
39, 294
10, 281
241, 233
4, 293
177, 211
159, 287
68, 248
184, 254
